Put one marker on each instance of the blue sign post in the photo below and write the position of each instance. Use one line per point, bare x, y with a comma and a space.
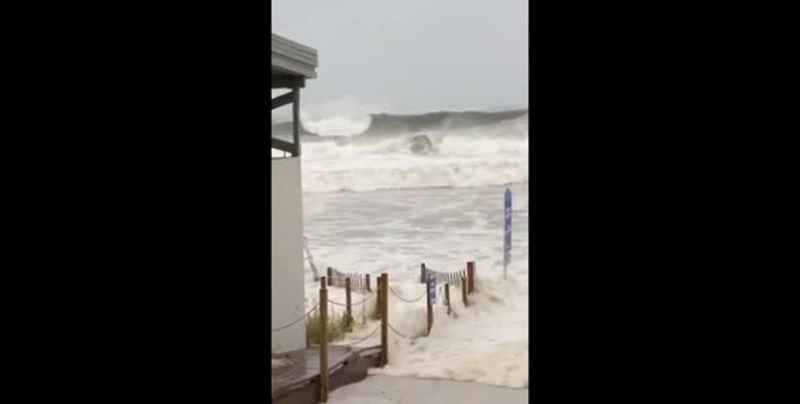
506, 232
432, 289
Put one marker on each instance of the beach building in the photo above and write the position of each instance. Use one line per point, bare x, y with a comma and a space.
292, 65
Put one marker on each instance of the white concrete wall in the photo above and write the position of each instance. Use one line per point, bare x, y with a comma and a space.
287, 255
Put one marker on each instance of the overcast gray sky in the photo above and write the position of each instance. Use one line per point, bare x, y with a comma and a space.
410, 56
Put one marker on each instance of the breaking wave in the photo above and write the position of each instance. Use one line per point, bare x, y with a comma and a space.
466, 149
387, 124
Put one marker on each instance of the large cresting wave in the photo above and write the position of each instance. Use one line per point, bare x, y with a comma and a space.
431, 150
389, 124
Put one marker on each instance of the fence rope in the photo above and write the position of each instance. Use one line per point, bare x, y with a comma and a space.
365, 338
397, 332
352, 304
295, 321
403, 299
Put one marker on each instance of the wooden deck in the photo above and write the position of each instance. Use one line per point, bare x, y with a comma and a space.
296, 381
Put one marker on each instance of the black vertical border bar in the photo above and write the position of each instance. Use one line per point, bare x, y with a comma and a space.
263, 245
536, 199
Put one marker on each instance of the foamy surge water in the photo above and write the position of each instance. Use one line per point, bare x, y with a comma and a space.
393, 231
489, 155
442, 209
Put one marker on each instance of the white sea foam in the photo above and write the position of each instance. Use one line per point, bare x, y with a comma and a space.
393, 231
337, 125
495, 154
442, 208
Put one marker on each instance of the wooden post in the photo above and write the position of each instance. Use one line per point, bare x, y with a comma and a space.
330, 276
379, 281
323, 343
470, 276
447, 297
368, 287
349, 307
429, 305
464, 290
385, 320
422, 273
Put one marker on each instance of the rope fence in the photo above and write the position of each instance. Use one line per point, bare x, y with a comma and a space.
365, 338
397, 332
295, 321
353, 304
404, 299
361, 282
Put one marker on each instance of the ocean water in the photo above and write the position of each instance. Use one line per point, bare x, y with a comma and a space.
372, 205
395, 230
485, 155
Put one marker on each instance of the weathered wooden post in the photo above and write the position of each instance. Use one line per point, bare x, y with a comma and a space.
379, 281
330, 276
464, 290
349, 307
447, 296
323, 343
384, 320
429, 305
470, 276
368, 287
422, 273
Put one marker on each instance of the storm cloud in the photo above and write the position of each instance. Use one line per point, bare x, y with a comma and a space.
410, 56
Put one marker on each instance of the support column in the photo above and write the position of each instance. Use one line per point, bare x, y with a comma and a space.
296, 117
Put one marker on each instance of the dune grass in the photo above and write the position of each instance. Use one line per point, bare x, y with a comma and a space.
336, 329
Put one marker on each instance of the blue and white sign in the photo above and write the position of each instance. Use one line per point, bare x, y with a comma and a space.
432, 289
507, 231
